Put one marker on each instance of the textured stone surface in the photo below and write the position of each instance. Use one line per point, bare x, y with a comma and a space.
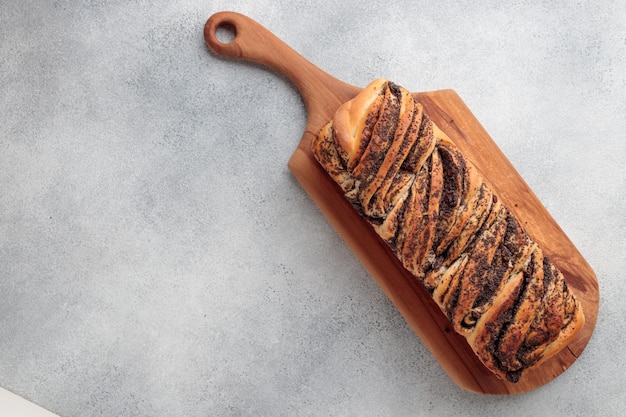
158, 258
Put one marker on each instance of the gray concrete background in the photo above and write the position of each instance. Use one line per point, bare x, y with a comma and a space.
157, 258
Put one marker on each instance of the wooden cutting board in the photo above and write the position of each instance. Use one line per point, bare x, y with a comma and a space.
322, 95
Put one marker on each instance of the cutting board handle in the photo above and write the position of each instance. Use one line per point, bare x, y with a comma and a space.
321, 92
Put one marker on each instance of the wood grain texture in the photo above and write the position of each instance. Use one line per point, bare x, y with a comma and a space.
322, 95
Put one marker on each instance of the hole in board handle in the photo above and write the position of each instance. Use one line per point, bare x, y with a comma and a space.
225, 33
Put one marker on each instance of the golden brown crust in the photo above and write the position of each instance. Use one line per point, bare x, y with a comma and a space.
443, 222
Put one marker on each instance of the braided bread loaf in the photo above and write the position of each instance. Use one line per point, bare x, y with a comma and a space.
446, 226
